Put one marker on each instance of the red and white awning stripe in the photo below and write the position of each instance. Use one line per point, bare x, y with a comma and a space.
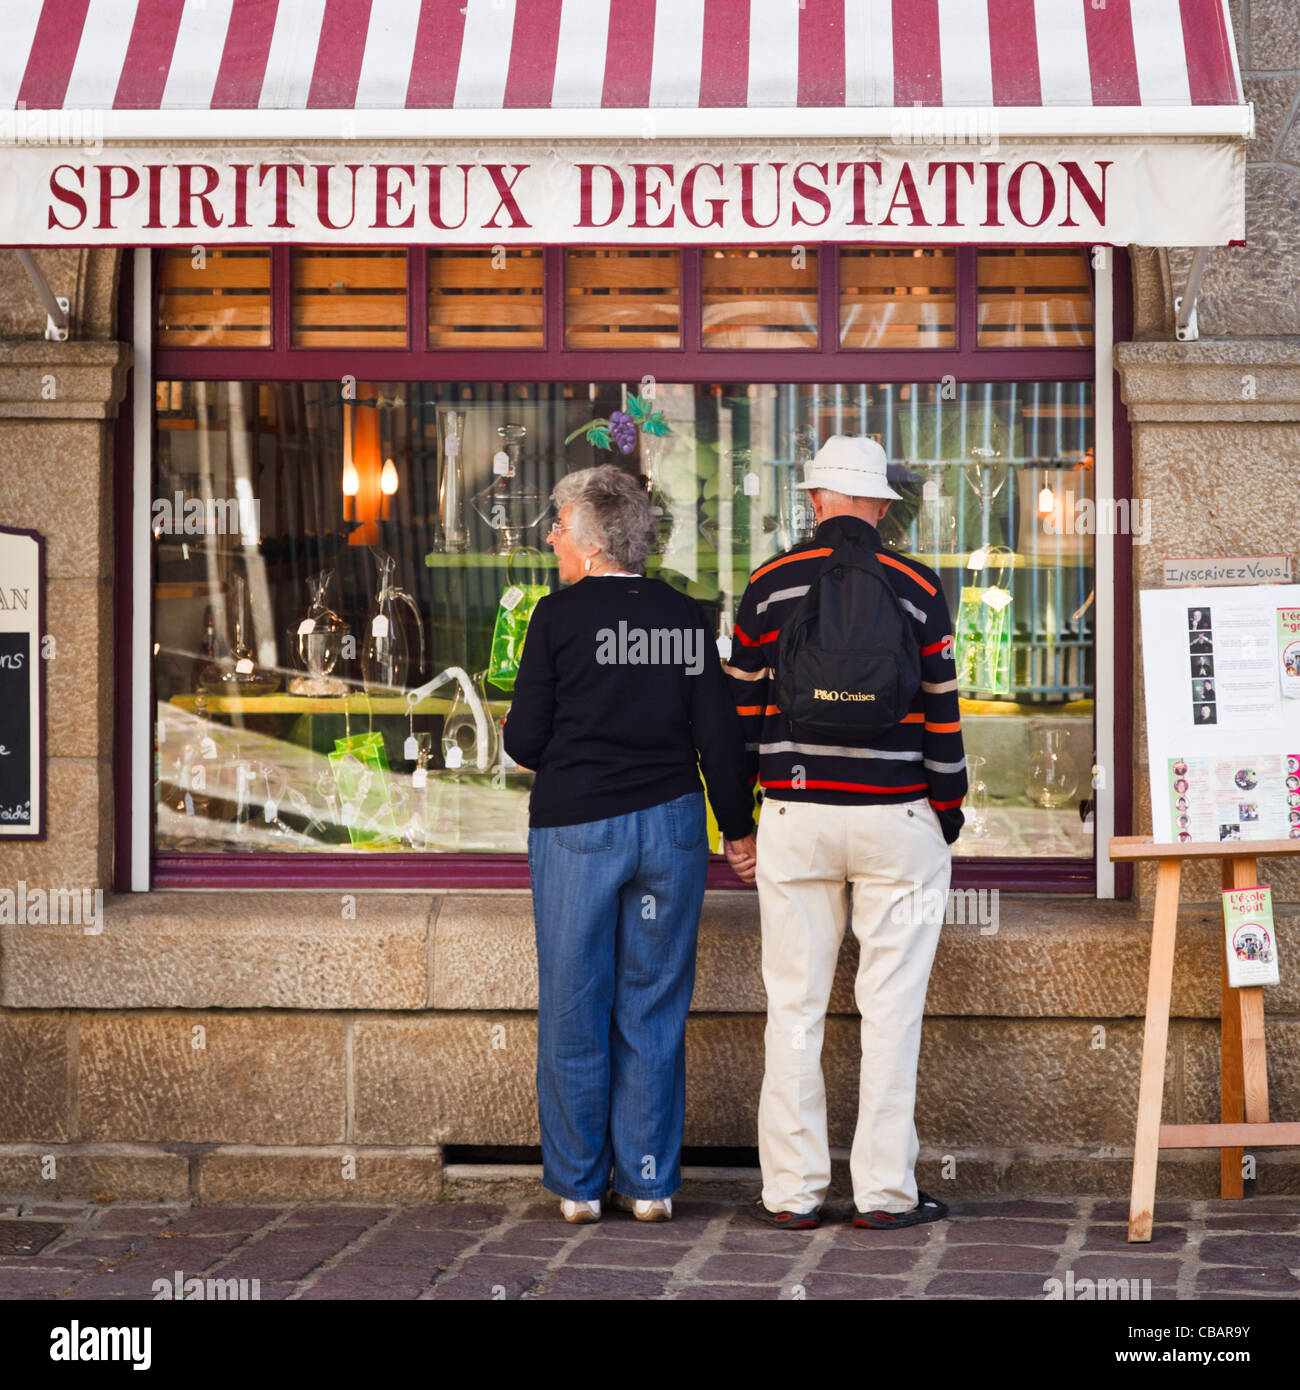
232, 55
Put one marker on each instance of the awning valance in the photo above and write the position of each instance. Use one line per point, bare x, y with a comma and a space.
620, 120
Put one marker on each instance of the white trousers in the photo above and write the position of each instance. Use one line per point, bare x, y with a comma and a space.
896, 862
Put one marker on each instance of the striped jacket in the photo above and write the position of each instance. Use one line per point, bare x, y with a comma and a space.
920, 757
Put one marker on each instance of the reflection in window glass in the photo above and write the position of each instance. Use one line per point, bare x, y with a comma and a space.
486, 298
349, 297
215, 297
1034, 297
617, 297
317, 560
898, 297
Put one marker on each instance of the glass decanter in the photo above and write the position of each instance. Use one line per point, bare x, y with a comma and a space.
452, 534
1051, 781
936, 521
318, 642
386, 655
506, 504
242, 676
469, 734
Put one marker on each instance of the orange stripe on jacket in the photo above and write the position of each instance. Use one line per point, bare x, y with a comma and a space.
785, 560
953, 728
907, 570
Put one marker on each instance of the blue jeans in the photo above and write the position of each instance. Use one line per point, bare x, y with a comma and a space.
616, 909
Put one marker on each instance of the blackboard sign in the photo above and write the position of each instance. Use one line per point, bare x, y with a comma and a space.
22, 685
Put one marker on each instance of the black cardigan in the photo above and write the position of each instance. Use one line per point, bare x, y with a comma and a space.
619, 687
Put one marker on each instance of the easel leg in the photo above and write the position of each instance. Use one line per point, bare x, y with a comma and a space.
1231, 1080
1250, 1002
1155, 1044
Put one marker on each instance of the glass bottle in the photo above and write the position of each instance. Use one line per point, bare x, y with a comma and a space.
977, 798
1051, 781
386, 655
243, 677
506, 503
452, 535
318, 642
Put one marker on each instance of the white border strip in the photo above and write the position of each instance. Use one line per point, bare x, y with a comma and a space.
140, 781
484, 124
1104, 693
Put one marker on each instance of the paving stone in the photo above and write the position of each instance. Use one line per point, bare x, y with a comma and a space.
746, 1269
73, 1263
1025, 1258
114, 1247
842, 1260
1246, 1279
1163, 1238
596, 1283
631, 1254
499, 1277
459, 1216
1125, 1266
270, 1293
325, 1240
438, 1249
1017, 1232
1251, 1221
523, 1241
281, 1269
1012, 1208
360, 1281
908, 1235
136, 1218
819, 1285
677, 1230
64, 1211
33, 1283
1224, 1206
995, 1285
726, 1293
1283, 1251
130, 1286
216, 1220
335, 1216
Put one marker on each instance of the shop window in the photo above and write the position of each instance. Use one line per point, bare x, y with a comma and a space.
618, 297
319, 557
217, 297
486, 298
1034, 297
898, 297
759, 297
351, 297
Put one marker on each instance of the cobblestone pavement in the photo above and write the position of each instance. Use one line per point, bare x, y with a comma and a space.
519, 1248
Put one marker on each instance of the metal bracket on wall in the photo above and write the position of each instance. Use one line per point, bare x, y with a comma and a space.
56, 307
1185, 328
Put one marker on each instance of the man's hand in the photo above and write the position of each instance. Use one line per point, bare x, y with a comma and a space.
742, 855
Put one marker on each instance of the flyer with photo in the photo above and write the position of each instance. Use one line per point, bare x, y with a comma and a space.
1251, 797
1288, 651
1249, 937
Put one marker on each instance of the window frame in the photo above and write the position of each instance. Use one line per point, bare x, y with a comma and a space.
691, 362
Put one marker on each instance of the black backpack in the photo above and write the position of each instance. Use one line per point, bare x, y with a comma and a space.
847, 663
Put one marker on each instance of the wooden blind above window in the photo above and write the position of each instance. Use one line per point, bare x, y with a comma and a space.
898, 297
217, 298
759, 297
481, 299
1034, 297
617, 297
350, 297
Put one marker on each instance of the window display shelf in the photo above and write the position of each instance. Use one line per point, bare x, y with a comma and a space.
476, 559
280, 703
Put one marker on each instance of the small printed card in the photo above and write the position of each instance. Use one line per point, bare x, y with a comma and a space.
1288, 648
1249, 937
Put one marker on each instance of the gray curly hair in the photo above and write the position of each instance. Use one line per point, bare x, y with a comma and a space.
609, 509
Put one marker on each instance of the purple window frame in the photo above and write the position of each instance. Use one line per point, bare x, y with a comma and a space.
690, 362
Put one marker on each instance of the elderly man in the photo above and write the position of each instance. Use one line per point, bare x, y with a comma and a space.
870, 820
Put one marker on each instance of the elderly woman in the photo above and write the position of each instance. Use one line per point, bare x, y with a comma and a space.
619, 690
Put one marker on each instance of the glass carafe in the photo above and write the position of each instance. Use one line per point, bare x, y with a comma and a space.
1051, 781
508, 506
469, 734
318, 642
240, 674
386, 655
452, 534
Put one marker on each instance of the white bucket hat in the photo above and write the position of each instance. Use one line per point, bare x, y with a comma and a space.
851, 464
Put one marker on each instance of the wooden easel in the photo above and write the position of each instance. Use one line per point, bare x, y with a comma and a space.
1243, 1073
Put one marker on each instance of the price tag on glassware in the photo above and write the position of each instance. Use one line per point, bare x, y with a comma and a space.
349, 812
751, 484
997, 599
411, 749
452, 446
453, 756
419, 777
724, 648
510, 599
269, 811
930, 491
379, 626
244, 666
208, 748
501, 462
306, 627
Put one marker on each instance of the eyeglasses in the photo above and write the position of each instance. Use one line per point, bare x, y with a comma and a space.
556, 528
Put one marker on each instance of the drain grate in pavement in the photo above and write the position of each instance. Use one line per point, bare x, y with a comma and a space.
28, 1237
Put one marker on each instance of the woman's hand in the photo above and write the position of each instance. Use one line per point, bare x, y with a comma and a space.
742, 855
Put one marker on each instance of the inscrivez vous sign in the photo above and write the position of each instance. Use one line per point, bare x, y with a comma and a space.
1117, 193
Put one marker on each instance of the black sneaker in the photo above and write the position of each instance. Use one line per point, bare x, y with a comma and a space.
785, 1220
926, 1209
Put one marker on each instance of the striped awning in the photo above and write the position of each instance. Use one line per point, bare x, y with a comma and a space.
303, 55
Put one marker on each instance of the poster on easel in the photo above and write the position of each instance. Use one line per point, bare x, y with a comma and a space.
1222, 674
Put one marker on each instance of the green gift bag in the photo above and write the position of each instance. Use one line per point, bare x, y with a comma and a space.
360, 767
983, 631
513, 614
